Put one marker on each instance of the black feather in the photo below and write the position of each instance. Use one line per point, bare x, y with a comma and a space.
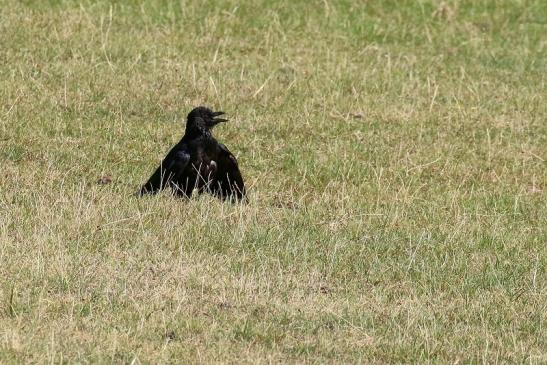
199, 162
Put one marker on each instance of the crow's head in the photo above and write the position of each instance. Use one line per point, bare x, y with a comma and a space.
203, 119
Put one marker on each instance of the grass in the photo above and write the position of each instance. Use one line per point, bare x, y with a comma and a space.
394, 152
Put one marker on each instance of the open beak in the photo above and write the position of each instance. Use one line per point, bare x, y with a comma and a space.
219, 120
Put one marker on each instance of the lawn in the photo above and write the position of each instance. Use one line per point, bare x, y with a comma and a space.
394, 153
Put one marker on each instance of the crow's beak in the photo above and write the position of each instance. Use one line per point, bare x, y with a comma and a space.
219, 120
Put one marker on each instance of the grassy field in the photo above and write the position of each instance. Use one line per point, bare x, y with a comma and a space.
394, 153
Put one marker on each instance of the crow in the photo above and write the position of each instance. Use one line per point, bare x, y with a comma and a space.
199, 162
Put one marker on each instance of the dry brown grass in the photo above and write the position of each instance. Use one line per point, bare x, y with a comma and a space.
395, 154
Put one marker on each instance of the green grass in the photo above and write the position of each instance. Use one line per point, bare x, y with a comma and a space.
395, 157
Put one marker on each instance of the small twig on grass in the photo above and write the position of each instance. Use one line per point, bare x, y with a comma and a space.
11, 306
424, 165
262, 86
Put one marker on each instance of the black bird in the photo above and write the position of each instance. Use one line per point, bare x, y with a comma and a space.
199, 162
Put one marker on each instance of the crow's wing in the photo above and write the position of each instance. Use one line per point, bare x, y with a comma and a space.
172, 166
228, 182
